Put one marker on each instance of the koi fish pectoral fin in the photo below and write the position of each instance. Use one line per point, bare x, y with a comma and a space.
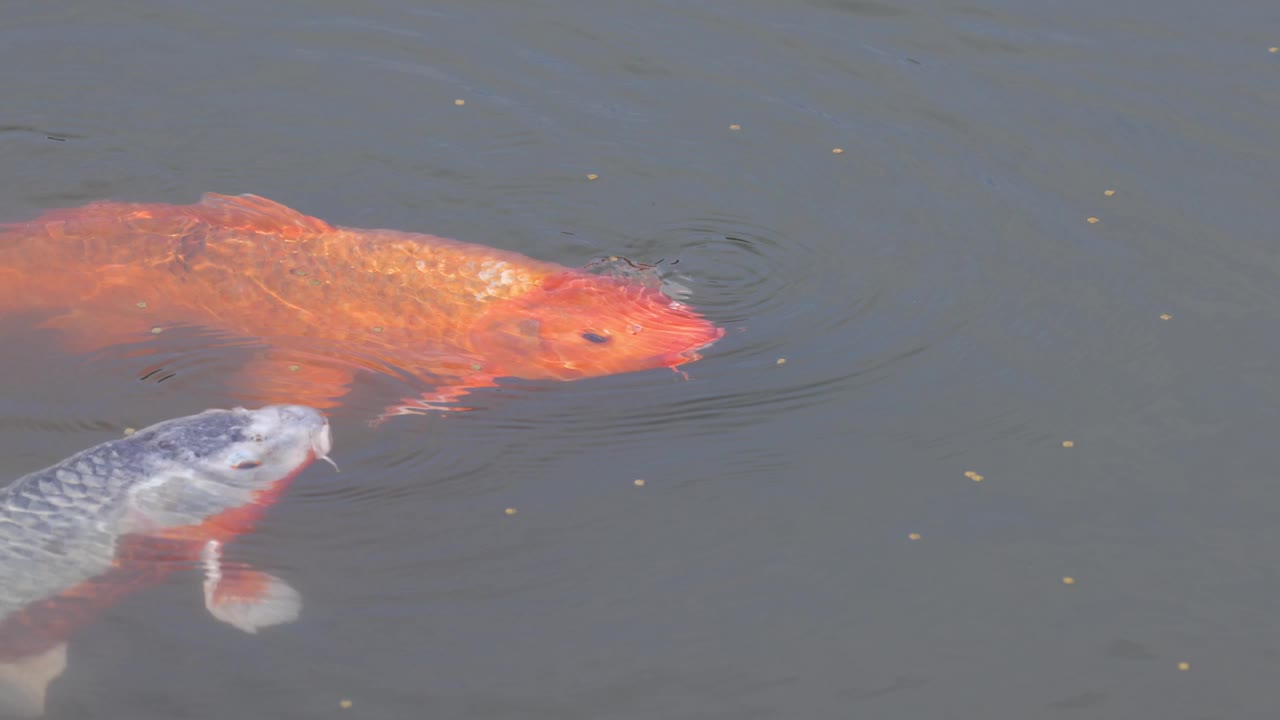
245, 598
84, 332
24, 683
439, 400
274, 378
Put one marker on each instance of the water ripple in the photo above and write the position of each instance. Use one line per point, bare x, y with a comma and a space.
801, 326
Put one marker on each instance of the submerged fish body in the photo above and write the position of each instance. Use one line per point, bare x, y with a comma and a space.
452, 315
116, 518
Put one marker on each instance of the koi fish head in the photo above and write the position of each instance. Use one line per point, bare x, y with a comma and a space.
245, 449
577, 325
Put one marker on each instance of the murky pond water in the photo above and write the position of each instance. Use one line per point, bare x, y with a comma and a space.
942, 239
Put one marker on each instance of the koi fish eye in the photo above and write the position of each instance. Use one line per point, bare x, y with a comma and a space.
595, 338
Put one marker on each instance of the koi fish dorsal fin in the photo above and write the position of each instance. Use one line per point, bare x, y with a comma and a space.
258, 214
24, 683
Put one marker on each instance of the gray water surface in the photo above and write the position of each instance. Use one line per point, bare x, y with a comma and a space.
941, 301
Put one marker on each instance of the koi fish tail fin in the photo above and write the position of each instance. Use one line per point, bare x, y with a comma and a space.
25, 683
246, 598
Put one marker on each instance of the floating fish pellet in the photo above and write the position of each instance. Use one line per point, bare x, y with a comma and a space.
913, 536
1091, 220
511, 511
459, 102
1273, 50
638, 482
344, 704
1068, 443
1068, 580
780, 361
836, 151
295, 368
1166, 316
1184, 666
1108, 193
142, 304
157, 330
129, 431
973, 476
592, 176
735, 126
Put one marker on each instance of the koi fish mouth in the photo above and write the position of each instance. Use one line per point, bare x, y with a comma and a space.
316, 427
704, 335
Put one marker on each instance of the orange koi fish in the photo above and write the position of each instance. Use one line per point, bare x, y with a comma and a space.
327, 302
78, 536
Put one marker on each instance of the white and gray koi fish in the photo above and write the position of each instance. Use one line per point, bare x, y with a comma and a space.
79, 536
